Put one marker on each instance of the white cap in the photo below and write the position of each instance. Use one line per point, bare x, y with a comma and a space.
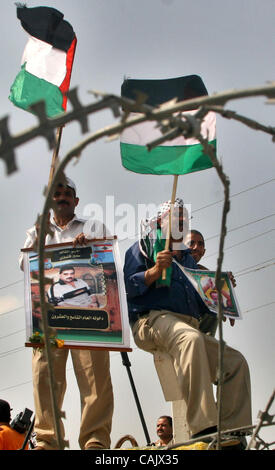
71, 184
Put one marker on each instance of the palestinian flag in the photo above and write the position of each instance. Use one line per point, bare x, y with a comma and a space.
47, 60
175, 157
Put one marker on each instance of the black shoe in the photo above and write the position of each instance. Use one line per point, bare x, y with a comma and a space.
228, 442
204, 432
240, 443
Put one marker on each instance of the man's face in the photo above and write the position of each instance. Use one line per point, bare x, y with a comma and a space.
67, 276
65, 201
214, 295
179, 226
196, 244
164, 430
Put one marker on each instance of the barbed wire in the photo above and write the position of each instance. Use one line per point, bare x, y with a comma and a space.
79, 113
170, 126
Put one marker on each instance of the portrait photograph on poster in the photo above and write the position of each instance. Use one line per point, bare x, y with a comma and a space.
84, 291
204, 283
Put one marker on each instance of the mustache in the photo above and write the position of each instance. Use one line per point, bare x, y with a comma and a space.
62, 202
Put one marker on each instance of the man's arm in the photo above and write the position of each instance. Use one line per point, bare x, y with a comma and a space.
30, 240
137, 276
163, 261
92, 229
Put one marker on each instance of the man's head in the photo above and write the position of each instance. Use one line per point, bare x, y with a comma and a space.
179, 222
65, 200
67, 274
5, 412
165, 428
195, 242
214, 295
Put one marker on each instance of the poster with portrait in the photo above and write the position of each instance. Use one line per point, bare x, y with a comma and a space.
84, 290
204, 283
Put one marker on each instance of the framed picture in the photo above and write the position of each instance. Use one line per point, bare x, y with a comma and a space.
84, 290
204, 283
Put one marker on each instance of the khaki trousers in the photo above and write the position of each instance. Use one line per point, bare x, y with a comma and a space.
195, 357
92, 371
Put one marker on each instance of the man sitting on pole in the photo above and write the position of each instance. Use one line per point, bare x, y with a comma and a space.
164, 316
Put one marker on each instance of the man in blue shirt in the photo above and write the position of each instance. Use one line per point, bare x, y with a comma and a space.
164, 315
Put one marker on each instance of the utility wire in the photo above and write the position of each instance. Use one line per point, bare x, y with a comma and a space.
16, 350
206, 239
241, 243
235, 195
247, 271
11, 334
242, 226
195, 210
260, 306
11, 351
12, 284
11, 311
69, 369
15, 386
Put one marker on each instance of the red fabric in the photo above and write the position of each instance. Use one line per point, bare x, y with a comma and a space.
64, 87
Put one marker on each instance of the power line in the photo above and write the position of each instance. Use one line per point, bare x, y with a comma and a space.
69, 369
116, 354
256, 268
237, 273
206, 239
221, 200
242, 242
11, 351
12, 284
235, 195
196, 210
260, 306
16, 350
15, 386
11, 311
134, 348
242, 226
207, 256
11, 334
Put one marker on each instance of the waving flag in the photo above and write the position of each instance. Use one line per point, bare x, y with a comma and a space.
47, 60
174, 157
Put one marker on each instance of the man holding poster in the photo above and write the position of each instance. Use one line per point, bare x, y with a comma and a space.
91, 367
166, 317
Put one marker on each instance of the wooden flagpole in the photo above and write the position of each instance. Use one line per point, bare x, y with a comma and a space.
55, 153
168, 235
45, 326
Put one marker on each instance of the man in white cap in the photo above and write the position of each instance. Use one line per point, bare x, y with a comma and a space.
165, 317
92, 368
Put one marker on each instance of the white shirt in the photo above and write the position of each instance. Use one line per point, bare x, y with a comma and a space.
58, 290
91, 229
